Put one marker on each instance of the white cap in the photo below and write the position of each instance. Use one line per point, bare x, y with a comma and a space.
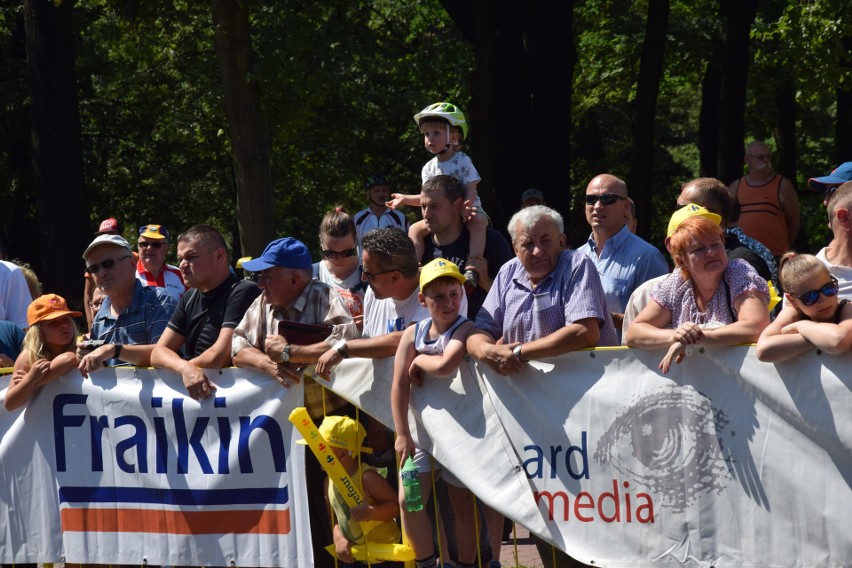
107, 240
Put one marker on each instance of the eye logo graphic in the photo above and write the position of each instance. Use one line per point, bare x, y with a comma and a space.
669, 442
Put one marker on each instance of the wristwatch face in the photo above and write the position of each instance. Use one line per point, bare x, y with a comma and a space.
517, 351
285, 355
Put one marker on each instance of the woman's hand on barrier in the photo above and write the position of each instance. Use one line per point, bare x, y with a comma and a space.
676, 353
687, 333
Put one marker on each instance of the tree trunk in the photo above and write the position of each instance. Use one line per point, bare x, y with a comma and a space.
739, 16
553, 56
708, 121
645, 110
843, 126
785, 128
246, 124
56, 145
521, 100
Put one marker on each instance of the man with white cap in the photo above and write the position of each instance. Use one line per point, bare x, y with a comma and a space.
131, 318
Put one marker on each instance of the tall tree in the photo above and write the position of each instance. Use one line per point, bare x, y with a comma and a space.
739, 16
645, 109
523, 74
57, 157
246, 124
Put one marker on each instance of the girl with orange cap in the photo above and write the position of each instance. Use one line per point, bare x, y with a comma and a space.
48, 351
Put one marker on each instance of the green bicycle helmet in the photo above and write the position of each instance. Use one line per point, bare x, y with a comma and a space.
448, 111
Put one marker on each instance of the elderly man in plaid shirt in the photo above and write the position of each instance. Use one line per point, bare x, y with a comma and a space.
545, 302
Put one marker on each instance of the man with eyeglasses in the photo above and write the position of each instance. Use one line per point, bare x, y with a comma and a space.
622, 259
768, 201
152, 269
291, 295
204, 321
131, 318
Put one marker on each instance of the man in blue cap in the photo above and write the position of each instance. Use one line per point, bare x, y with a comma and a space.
290, 296
272, 339
827, 184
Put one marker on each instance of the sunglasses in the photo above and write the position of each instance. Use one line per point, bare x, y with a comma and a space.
761, 156
108, 263
605, 199
371, 275
828, 290
339, 253
152, 244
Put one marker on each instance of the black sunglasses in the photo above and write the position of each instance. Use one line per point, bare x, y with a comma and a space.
605, 199
340, 253
371, 275
108, 263
828, 290
152, 244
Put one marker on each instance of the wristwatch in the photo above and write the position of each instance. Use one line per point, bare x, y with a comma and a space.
285, 355
340, 346
117, 348
517, 352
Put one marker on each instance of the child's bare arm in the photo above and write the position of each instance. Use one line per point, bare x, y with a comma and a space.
445, 365
774, 346
401, 394
25, 379
470, 192
60, 365
385, 505
398, 199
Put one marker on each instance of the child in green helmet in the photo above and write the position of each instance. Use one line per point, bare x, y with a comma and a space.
444, 128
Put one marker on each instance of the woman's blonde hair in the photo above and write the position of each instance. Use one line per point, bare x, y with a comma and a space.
692, 229
795, 268
34, 347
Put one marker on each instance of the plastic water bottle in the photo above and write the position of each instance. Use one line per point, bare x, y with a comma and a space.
410, 477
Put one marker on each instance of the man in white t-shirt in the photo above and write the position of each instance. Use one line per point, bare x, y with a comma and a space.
377, 215
837, 256
14, 294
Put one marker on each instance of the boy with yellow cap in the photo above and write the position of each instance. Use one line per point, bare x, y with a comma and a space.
435, 346
345, 436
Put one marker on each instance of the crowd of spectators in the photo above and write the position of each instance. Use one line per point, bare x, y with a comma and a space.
530, 297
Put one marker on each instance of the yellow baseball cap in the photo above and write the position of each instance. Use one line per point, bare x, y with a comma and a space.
439, 268
687, 211
342, 432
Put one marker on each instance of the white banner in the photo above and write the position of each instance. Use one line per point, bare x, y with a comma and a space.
124, 468
726, 461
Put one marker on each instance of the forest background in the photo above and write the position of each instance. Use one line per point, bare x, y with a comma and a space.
259, 116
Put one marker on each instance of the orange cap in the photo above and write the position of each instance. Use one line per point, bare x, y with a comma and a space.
48, 307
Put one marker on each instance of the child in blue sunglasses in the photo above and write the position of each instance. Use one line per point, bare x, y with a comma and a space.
814, 317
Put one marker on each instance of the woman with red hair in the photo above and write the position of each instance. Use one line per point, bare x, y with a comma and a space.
706, 300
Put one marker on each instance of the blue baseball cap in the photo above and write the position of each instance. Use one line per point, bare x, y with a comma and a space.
287, 253
840, 175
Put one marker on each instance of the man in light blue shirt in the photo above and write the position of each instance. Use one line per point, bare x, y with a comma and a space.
623, 260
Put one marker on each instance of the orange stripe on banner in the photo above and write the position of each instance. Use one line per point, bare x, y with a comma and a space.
175, 522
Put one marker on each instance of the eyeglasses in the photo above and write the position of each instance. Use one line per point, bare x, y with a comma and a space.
767, 156
828, 290
108, 263
605, 199
152, 244
371, 275
339, 253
